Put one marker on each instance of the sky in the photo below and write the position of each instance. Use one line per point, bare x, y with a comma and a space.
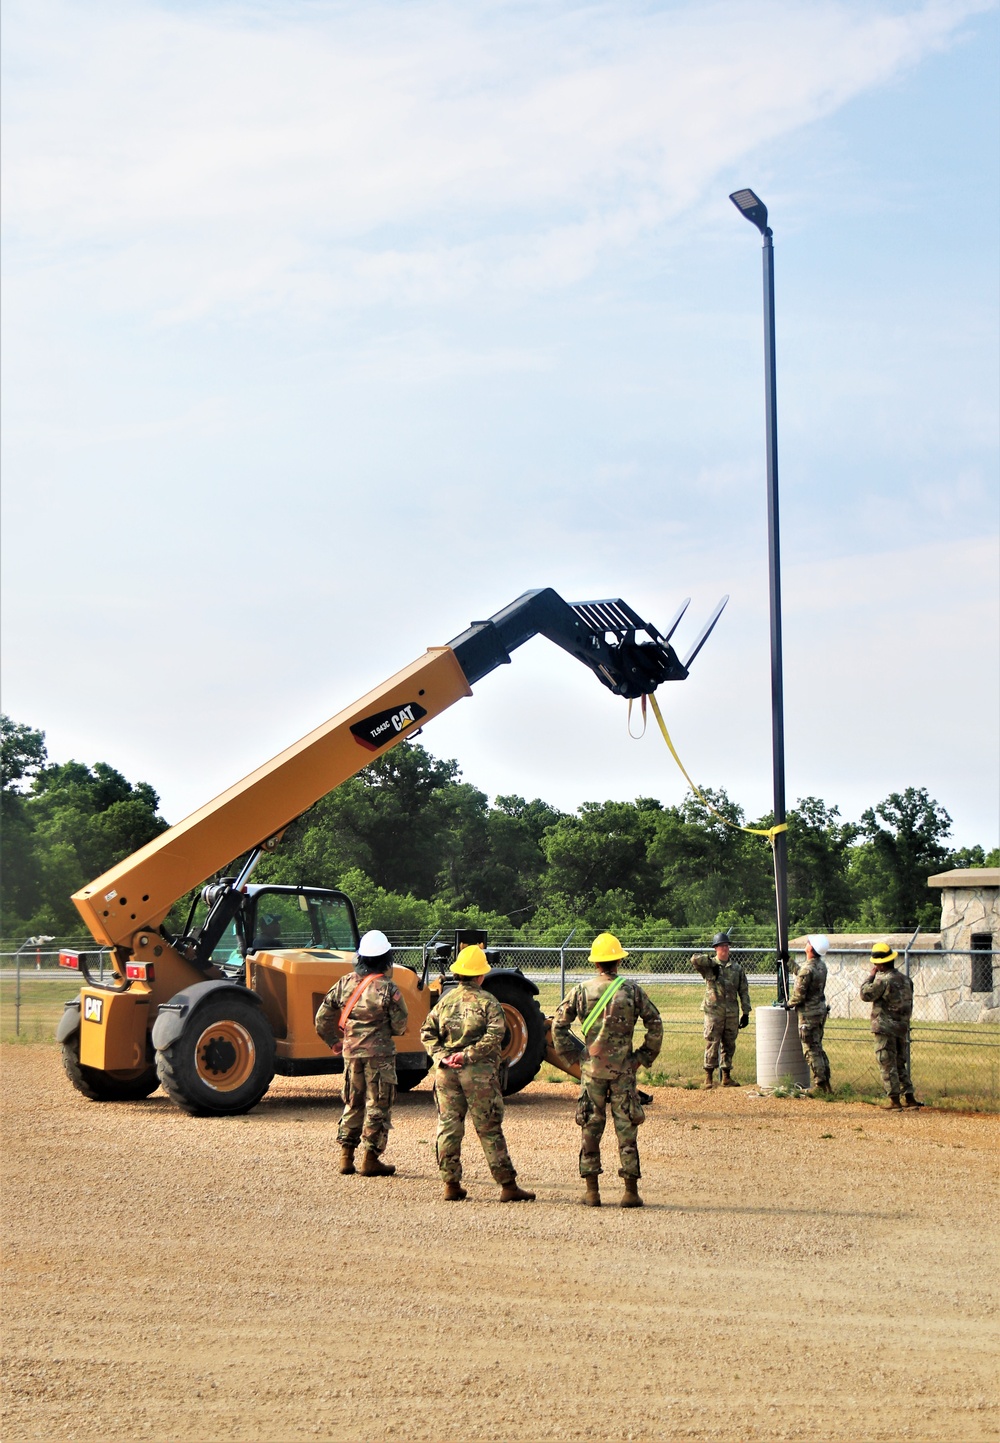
329, 328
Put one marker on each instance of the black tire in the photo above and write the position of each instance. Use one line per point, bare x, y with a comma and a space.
524, 1040
101, 1086
407, 1078
223, 1061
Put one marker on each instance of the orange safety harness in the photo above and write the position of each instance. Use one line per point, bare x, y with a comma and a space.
348, 1007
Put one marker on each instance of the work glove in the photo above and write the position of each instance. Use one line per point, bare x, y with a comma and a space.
745, 1020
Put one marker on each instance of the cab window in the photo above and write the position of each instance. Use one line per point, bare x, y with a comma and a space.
298, 919
333, 923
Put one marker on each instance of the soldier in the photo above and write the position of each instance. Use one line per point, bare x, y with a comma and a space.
808, 999
365, 1008
891, 996
464, 1036
726, 990
608, 1009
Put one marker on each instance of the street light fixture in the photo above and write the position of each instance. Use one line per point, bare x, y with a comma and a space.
753, 208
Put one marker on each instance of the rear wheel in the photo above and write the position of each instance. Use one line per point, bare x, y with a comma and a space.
223, 1061
524, 1039
130, 1086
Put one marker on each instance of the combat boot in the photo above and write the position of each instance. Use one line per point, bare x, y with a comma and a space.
372, 1165
727, 1080
709, 1077
453, 1192
630, 1197
824, 1087
510, 1192
911, 1101
346, 1159
592, 1197
892, 1103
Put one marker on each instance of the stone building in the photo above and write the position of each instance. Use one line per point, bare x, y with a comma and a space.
955, 972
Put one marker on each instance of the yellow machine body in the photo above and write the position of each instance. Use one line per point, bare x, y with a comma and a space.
292, 984
113, 1028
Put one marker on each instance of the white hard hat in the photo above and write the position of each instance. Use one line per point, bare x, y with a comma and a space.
819, 942
374, 944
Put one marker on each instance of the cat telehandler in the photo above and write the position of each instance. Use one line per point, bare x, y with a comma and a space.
213, 1011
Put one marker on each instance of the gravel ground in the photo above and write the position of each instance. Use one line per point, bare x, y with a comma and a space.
801, 1270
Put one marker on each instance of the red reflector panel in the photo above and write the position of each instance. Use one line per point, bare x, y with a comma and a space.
139, 971
70, 959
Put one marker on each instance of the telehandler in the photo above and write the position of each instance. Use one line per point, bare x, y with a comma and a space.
212, 1012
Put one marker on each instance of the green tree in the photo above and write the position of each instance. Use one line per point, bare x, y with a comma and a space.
906, 835
709, 869
820, 895
604, 849
72, 824
22, 754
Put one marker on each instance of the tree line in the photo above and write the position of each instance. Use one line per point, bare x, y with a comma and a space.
417, 849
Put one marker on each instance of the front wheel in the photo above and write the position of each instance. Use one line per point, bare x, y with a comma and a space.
223, 1061
524, 1039
130, 1086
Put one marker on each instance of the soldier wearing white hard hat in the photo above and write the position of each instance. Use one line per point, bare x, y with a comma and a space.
361, 1014
808, 1000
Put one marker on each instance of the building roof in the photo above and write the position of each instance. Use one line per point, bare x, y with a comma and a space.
967, 877
863, 942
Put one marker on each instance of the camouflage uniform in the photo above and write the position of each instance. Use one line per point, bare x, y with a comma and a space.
726, 990
470, 1021
608, 1067
369, 1087
891, 996
808, 997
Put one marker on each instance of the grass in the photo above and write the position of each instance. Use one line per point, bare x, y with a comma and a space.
955, 1065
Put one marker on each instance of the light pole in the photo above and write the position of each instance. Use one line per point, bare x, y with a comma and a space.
754, 209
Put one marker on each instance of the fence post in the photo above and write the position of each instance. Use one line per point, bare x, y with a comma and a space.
562, 964
906, 953
17, 993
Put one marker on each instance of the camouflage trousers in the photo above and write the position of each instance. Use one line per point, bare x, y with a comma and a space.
720, 1037
473, 1089
893, 1057
369, 1090
592, 1117
811, 1037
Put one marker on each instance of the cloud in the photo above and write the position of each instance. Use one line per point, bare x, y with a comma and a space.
201, 160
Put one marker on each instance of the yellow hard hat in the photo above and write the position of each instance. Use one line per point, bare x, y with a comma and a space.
607, 948
882, 952
470, 962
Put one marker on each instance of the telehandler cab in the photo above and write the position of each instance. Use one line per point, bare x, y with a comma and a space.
214, 1011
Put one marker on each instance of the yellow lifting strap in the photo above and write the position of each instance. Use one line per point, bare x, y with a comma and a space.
769, 832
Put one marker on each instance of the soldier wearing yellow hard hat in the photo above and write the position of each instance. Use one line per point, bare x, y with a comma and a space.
464, 1036
891, 994
607, 1010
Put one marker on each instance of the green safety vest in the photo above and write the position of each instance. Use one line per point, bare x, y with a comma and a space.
600, 1004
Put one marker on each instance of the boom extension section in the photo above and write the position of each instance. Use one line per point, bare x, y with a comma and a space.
136, 895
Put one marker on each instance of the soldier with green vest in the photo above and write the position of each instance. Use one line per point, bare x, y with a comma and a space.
361, 1014
464, 1036
726, 1007
891, 995
607, 1010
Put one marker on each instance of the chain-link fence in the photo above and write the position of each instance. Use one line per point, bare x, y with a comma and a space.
955, 1034
956, 1017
